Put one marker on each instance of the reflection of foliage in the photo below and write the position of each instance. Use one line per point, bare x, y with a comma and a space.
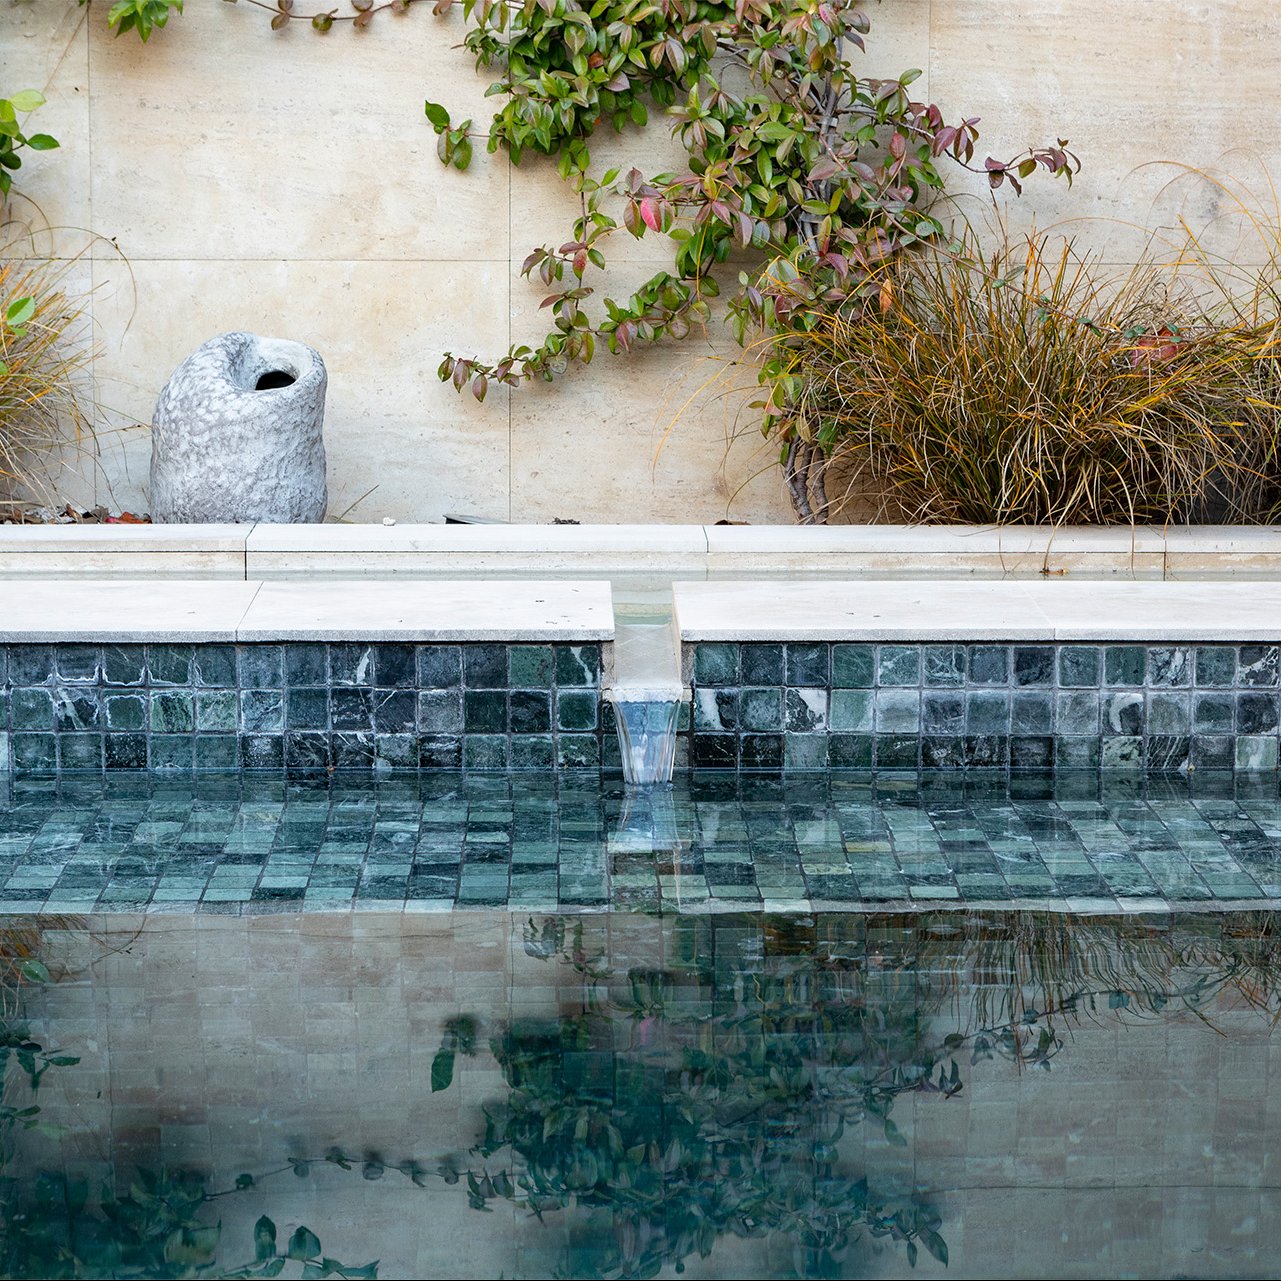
710, 1098
155, 1230
694, 1105
51, 1227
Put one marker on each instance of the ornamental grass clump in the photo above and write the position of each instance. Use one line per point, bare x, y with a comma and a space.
1026, 385
42, 355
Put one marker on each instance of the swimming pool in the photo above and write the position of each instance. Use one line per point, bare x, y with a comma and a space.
509, 1093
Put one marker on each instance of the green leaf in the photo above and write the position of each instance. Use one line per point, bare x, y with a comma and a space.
442, 1070
437, 115
303, 1245
264, 1234
935, 1245
43, 142
18, 314
27, 100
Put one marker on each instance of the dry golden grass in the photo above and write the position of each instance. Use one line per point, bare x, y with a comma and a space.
41, 362
1027, 385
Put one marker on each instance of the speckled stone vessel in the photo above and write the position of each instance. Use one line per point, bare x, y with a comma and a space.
238, 434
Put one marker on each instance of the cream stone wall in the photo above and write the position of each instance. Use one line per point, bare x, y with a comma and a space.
224, 176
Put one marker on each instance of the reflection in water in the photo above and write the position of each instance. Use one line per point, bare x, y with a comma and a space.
732, 1094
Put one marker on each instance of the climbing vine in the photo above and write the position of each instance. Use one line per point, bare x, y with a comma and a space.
812, 173
802, 177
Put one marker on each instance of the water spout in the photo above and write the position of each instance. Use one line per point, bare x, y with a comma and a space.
647, 733
646, 689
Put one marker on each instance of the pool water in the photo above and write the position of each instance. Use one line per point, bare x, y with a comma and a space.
507, 1025
711, 842
492, 1093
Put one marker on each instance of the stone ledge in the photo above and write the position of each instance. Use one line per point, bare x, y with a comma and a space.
948, 610
871, 551
133, 610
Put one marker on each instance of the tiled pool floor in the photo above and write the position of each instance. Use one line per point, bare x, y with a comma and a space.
246, 844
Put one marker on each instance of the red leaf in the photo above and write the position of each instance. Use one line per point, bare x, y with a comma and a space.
651, 213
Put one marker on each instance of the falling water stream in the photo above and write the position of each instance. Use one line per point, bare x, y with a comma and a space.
646, 688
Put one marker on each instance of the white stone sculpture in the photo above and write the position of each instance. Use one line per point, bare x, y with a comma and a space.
237, 434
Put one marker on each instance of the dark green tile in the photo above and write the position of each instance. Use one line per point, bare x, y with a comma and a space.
577, 709
34, 751
485, 666
216, 751
172, 712
808, 666
262, 711
124, 665
761, 664
80, 751
761, 710
761, 751
484, 751
75, 708
850, 751
853, 666
440, 711
529, 712
577, 665
898, 665
716, 664
485, 712
440, 666
79, 663
169, 664
32, 664
989, 664
395, 666
171, 752
31, 709
1033, 665
576, 751
306, 664
1124, 665
305, 709
214, 666
1216, 665
987, 711
1080, 666
943, 712
351, 709
394, 711
440, 751
944, 665
1257, 665
129, 711
531, 666
532, 751
349, 664
125, 751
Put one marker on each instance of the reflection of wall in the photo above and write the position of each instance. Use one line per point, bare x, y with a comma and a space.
235, 1044
287, 183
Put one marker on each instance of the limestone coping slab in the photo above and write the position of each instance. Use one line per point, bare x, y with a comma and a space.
951, 610
483, 610
274, 551
93, 551
265, 551
122, 610
129, 611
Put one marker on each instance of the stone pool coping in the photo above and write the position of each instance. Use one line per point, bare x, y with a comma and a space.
126, 611
256, 552
950, 610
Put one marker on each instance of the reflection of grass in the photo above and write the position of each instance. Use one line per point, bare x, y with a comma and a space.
709, 1098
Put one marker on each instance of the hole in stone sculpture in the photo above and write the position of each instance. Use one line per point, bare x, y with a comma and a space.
274, 378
